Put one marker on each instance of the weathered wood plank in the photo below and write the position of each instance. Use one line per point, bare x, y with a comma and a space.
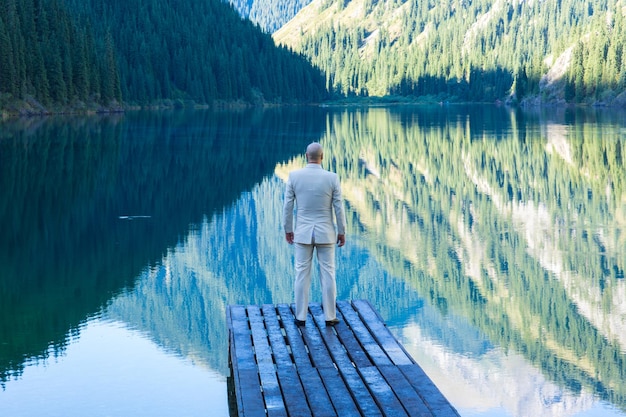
382, 392
339, 394
316, 394
293, 392
234, 380
346, 368
247, 378
274, 403
381, 388
276, 337
299, 351
353, 347
362, 333
336, 387
356, 368
318, 352
381, 333
407, 395
431, 395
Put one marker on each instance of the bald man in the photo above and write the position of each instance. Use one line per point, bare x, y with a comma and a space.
316, 194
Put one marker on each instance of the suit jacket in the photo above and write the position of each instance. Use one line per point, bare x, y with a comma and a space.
316, 194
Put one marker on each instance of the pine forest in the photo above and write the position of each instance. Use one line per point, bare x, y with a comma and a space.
471, 50
142, 53
58, 55
46, 57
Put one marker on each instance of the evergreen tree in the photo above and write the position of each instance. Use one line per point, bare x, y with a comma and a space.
45, 54
200, 50
479, 50
7, 76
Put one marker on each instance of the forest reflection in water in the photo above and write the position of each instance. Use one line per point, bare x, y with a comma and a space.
491, 241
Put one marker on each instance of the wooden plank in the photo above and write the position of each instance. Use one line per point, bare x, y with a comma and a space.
276, 337
247, 377
296, 343
316, 394
353, 381
272, 395
237, 401
381, 333
351, 344
377, 384
293, 392
355, 368
336, 387
295, 396
421, 383
234, 394
343, 402
382, 392
315, 345
370, 345
433, 398
407, 395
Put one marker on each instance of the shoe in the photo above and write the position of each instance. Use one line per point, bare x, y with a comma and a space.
299, 322
332, 322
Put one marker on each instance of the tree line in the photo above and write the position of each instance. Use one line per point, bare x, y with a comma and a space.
477, 50
74, 53
46, 56
145, 52
270, 15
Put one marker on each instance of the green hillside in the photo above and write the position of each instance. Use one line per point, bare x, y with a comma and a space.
47, 59
270, 15
65, 53
478, 50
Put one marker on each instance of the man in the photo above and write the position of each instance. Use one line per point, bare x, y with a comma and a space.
316, 194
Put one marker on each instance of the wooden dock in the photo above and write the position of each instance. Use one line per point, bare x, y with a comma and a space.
356, 368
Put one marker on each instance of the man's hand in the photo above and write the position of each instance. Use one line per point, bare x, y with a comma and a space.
289, 238
341, 240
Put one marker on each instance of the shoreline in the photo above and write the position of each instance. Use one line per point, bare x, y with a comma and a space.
31, 108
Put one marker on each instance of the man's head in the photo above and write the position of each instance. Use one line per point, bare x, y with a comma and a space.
314, 153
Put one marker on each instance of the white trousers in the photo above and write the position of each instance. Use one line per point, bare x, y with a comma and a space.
326, 264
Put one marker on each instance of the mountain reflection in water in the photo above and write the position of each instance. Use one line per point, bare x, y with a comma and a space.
491, 241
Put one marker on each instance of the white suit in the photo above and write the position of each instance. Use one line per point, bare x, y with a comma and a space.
316, 194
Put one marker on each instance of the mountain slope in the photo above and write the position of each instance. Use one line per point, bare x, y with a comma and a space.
270, 15
199, 50
469, 50
47, 59
60, 52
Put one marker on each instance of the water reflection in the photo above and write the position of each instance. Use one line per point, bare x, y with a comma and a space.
112, 370
528, 247
492, 242
65, 251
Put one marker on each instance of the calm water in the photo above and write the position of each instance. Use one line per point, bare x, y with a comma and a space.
492, 242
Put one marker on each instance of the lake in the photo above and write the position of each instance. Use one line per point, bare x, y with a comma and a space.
492, 241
